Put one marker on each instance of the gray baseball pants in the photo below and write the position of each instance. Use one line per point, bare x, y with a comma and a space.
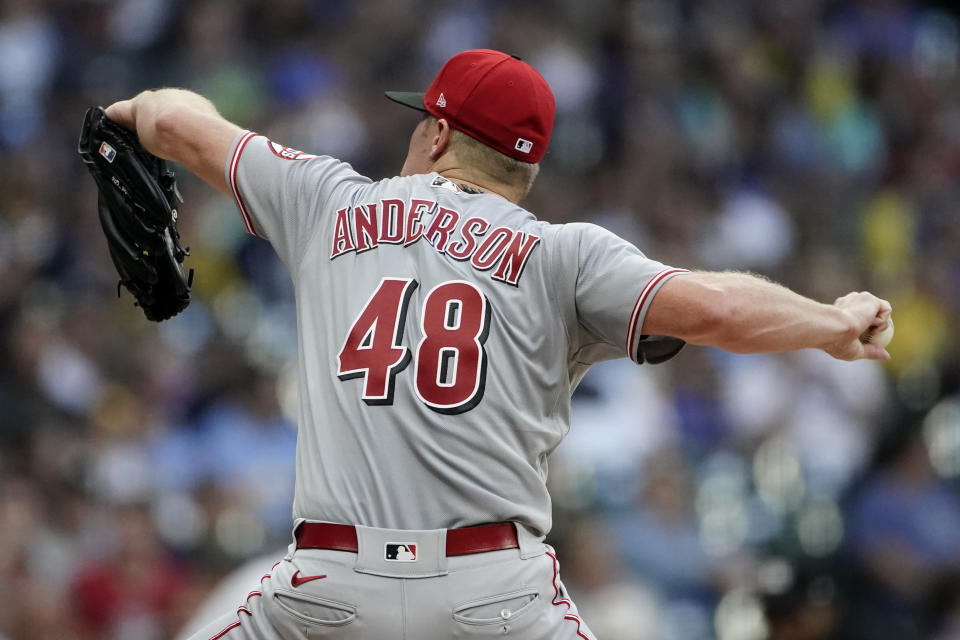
319, 593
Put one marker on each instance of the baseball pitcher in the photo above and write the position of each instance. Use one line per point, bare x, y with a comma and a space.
442, 329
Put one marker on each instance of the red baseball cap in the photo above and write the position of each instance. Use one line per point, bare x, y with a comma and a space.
494, 97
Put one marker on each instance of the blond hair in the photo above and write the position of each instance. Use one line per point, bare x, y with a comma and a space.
487, 160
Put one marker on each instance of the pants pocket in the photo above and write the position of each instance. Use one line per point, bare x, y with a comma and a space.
314, 610
496, 609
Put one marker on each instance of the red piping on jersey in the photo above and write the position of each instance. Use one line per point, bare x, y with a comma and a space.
234, 163
557, 600
642, 300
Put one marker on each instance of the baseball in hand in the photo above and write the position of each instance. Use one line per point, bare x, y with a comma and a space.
881, 338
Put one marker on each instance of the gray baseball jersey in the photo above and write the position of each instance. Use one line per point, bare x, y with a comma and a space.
441, 334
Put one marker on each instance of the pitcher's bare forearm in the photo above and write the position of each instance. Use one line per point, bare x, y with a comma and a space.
182, 126
743, 313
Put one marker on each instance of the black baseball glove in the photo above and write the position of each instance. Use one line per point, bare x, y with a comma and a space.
138, 212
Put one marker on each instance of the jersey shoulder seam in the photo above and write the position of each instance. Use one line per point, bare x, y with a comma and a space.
549, 264
315, 231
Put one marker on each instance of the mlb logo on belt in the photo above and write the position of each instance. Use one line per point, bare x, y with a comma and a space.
400, 552
107, 151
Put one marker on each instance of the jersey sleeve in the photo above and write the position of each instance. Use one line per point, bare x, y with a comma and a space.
281, 193
613, 286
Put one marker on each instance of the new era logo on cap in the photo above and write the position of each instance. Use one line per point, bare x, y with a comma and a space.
523, 146
400, 552
441, 101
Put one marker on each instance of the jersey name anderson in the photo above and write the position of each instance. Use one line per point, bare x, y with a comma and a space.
503, 250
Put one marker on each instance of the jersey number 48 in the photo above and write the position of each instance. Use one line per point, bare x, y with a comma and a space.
450, 364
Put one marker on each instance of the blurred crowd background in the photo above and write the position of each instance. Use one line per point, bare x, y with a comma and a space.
716, 496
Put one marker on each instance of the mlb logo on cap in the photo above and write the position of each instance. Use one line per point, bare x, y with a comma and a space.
107, 151
523, 146
400, 552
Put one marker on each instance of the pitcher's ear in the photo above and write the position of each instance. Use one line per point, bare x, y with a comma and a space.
442, 134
